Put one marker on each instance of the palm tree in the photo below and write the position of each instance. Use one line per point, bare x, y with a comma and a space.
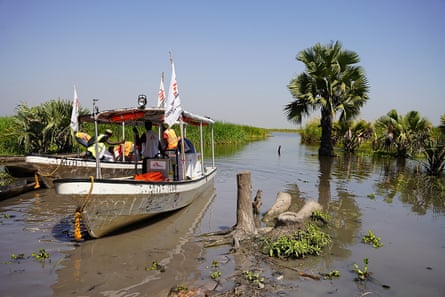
434, 150
27, 127
44, 128
404, 134
332, 83
442, 123
353, 133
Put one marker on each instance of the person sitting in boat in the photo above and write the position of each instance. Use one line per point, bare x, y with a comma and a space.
103, 140
82, 138
169, 138
188, 146
148, 142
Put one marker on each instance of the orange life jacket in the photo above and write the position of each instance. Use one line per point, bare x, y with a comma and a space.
172, 139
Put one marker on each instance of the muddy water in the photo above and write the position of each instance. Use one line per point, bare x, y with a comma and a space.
360, 193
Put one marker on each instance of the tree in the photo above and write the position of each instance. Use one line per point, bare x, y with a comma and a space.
404, 134
44, 128
331, 83
434, 150
352, 133
442, 123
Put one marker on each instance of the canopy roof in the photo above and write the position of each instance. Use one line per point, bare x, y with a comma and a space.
137, 116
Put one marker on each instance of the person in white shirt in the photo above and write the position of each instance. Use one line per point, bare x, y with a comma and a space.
149, 143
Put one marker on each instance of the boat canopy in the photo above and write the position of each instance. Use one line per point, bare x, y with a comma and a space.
137, 116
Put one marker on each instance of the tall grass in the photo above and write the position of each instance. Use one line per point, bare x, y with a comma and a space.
8, 145
311, 133
224, 133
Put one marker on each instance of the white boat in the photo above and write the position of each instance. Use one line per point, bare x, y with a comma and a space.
50, 167
108, 204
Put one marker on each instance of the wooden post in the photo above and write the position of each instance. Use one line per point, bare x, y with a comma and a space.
245, 221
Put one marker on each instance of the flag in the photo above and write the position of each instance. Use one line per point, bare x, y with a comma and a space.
75, 113
161, 93
173, 108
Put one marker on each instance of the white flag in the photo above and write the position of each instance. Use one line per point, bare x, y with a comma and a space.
75, 113
173, 107
161, 93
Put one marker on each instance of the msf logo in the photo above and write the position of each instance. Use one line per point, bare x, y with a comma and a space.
158, 165
175, 89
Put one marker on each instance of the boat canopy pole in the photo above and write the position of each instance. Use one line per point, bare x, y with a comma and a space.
96, 134
213, 149
181, 125
202, 147
123, 144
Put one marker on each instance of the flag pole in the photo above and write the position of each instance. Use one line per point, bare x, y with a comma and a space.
161, 92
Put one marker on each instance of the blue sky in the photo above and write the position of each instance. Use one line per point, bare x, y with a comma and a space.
233, 59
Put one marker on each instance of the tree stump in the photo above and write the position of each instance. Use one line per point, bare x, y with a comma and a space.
245, 223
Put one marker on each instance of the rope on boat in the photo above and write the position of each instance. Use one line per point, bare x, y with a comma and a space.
36, 179
52, 172
79, 210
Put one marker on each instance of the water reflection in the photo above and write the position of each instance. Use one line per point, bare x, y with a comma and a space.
343, 209
411, 186
121, 265
324, 184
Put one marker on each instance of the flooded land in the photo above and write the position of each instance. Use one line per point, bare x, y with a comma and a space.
394, 199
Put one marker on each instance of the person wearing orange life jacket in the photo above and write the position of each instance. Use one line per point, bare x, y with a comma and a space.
169, 142
169, 138
102, 151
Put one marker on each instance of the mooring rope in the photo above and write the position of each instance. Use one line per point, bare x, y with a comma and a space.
36, 179
54, 171
79, 210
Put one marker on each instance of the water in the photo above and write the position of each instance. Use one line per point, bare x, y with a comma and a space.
360, 193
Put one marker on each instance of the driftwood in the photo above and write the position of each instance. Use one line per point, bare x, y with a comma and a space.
290, 218
282, 203
257, 202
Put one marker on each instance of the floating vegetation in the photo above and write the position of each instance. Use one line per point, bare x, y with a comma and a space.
320, 216
179, 288
17, 257
155, 266
372, 239
41, 256
215, 275
362, 273
254, 278
332, 274
308, 241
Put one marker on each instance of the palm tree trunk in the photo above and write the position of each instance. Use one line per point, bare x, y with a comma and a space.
326, 148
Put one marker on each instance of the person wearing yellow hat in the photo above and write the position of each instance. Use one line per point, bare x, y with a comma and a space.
103, 139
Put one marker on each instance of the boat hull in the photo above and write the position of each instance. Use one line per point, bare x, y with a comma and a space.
110, 204
50, 168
